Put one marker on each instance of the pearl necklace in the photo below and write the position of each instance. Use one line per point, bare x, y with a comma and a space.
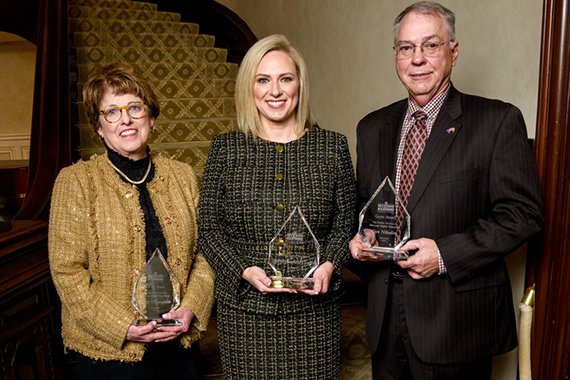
130, 180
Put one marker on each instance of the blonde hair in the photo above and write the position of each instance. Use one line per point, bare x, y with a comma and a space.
121, 78
247, 113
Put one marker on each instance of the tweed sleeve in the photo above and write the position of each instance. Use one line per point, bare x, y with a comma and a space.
199, 294
70, 244
228, 266
343, 224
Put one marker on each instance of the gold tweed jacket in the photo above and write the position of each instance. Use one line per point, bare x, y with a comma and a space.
97, 250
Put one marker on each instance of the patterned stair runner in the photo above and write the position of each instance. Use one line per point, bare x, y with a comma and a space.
194, 84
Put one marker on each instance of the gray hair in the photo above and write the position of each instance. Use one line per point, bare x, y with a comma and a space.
428, 8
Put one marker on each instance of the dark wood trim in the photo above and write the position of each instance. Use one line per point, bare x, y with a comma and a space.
548, 258
29, 313
30, 340
20, 17
50, 147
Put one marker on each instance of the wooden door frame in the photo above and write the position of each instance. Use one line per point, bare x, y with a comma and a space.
548, 259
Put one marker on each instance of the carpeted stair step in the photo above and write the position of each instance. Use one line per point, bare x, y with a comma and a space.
199, 88
194, 130
194, 154
78, 11
130, 26
197, 108
114, 4
174, 71
142, 40
105, 55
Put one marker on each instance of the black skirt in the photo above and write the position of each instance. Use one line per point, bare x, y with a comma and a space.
161, 361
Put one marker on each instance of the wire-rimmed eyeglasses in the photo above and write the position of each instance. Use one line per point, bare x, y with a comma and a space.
429, 49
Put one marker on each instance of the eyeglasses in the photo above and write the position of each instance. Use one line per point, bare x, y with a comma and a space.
430, 49
135, 110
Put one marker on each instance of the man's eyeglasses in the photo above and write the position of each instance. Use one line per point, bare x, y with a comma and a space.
430, 49
135, 110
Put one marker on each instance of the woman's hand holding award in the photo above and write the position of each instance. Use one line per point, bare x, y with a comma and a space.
294, 253
156, 292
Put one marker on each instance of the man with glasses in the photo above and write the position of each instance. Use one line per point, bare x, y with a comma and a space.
463, 168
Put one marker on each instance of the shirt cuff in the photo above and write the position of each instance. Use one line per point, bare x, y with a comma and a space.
442, 268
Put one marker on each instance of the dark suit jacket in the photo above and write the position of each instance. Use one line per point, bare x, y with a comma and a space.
477, 194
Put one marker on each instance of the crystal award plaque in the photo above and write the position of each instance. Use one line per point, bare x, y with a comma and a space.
294, 253
386, 216
156, 291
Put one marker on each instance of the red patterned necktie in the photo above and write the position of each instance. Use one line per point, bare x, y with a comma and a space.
413, 149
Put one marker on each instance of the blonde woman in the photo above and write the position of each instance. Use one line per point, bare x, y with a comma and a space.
253, 179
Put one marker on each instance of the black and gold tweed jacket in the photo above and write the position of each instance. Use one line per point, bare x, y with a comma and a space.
248, 190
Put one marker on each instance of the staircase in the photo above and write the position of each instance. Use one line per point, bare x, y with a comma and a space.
195, 88
194, 84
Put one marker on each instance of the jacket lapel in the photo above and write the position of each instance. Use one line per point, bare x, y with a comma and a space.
445, 128
390, 138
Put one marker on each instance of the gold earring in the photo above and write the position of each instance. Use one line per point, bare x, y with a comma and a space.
152, 129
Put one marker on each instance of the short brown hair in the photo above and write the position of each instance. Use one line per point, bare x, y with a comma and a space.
122, 79
247, 113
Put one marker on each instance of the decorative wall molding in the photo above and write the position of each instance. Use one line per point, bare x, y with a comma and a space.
15, 146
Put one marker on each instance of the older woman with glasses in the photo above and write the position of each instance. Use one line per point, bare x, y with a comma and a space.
108, 217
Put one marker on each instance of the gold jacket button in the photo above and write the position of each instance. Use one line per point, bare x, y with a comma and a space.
161, 178
129, 195
177, 262
137, 228
279, 148
279, 208
279, 177
155, 191
132, 355
135, 272
137, 314
168, 220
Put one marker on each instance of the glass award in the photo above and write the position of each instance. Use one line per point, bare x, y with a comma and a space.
156, 291
387, 217
294, 253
